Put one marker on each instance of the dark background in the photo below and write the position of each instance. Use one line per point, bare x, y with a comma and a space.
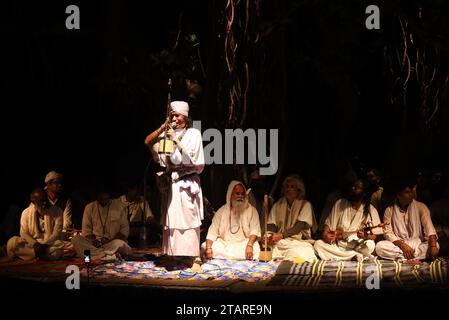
82, 101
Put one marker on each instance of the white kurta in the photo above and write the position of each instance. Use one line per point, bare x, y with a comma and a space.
230, 232
299, 245
103, 222
30, 233
349, 220
183, 213
412, 227
66, 213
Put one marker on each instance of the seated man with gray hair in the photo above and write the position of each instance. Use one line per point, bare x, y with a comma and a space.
292, 221
40, 231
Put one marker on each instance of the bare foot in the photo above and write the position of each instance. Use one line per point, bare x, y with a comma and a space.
358, 257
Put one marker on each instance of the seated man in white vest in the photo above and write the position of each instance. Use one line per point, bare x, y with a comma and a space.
105, 229
56, 197
345, 233
40, 231
409, 231
235, 228
292, 220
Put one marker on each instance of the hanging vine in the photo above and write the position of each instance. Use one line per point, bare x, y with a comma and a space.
238, 44
417, 61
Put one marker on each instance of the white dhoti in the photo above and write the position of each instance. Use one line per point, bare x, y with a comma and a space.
234, 249
388, 250
107, 251
18, 247
412, 226
291, 249
344, 250
177, 242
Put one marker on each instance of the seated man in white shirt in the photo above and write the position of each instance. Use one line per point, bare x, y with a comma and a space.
409, 231
345, 233
40, 231
56, 197
105, 229
292, 221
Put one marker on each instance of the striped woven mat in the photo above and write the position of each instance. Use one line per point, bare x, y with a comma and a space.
346, 274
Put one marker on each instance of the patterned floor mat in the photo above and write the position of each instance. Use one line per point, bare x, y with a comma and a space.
216, 269
357, 274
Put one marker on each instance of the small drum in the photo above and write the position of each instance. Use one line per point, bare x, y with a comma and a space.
166, 146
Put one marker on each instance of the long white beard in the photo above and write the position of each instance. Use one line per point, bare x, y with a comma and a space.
238, 206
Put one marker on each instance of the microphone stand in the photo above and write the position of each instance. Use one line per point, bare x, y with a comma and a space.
167, 117
143, 239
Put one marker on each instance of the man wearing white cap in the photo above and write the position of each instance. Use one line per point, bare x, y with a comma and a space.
53, 186
182, 214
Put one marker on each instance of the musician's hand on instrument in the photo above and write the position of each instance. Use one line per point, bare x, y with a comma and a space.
361, 234
276, 237
170, 132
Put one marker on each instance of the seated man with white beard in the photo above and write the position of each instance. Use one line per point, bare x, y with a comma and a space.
235, 228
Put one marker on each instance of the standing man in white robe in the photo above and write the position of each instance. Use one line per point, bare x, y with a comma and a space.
343, 234
409, 231
183, 211
40, 231
235, 228
105, 229
292, 221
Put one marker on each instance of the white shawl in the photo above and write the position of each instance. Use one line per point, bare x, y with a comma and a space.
301, 211
29, 226
413, 229
249, 218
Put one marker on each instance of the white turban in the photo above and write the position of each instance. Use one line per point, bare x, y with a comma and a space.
52, 175
180, 107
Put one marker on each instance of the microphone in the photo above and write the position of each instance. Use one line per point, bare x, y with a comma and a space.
87, 259
174, 125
